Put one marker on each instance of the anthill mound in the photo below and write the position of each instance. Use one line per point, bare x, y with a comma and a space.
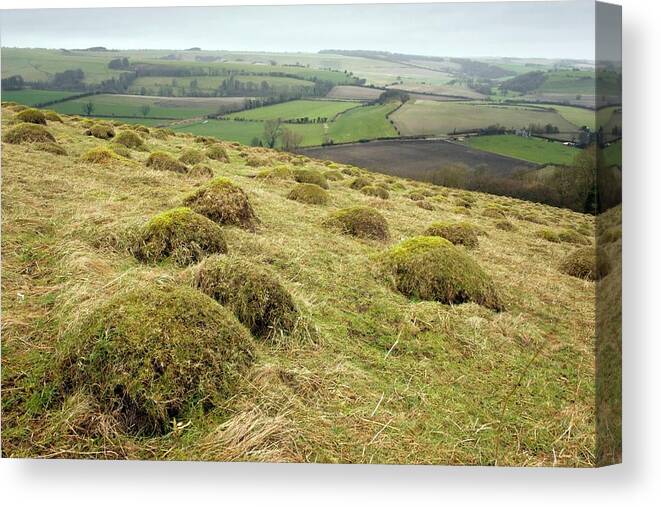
101, 131
129, 139
161, 161
223, 202
53, 116
180, 234
154, 354
360, 182
433, 269
374, 191
309, 194
32, 116
200, 171
252, 292
192, 157
53, 148
281, 172
28, 133
458, 233
311, 176
218, 153
586, 262
359, 221
99, 155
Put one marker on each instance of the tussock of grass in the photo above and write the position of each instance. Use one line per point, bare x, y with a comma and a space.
130, 139
101, 131
460, 233
281, 172
333, 175
200, 171
309, 194
28, 133
374, 191
562, 236
425, 205
416, 195
359, 221
155, 353
99, 155
310, 176
493, 212
32, 116
432, 268
218, 153
161, 161
252, 292
141, 128
587, 263
192, 157
257, 161
120, 150
505, 225
180, 234
360, 182
223, 202
53, 148
53, 116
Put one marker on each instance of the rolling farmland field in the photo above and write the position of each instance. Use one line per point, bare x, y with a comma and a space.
295, 109
423, 117
31, 97
531, 149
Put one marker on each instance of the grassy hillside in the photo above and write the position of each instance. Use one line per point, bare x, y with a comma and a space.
364, 374
526, 148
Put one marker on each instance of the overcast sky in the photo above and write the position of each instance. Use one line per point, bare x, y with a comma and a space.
560, 29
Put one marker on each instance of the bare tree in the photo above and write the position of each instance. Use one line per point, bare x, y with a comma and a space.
272, 130
88, 108
145, 110
290, 140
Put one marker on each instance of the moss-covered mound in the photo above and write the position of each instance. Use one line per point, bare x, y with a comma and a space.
200, 171
333, 175
425, 205
257, 161
152, 354
587, 263
433, 269
101, 131
459, 233
141, 128
374, 191
505, 225
120, 150
180, 234
493, 212
129, 139
359, 221
416, 195
53, 116
311, 176
360, 182
252, 292
99, 155
28, 133
218, 153
161, 161
192, 157
32, 116
281, 172
53, 148
223, 202
563, 236
309, 194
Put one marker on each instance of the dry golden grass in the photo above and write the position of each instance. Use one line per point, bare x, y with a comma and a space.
382, 378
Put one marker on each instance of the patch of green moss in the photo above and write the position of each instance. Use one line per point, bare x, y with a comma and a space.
458, 233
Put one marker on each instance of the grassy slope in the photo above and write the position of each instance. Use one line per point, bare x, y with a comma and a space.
390, 380
296, 109
531, 149
428, 117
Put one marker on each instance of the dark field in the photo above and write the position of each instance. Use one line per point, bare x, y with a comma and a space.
416, 159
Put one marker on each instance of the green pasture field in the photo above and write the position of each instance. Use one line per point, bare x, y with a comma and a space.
31, 97
423, 117
122, 105
210, 83
245, 131
296, 109
612, 155
569, 81
367, 122
531, 149
577, 115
